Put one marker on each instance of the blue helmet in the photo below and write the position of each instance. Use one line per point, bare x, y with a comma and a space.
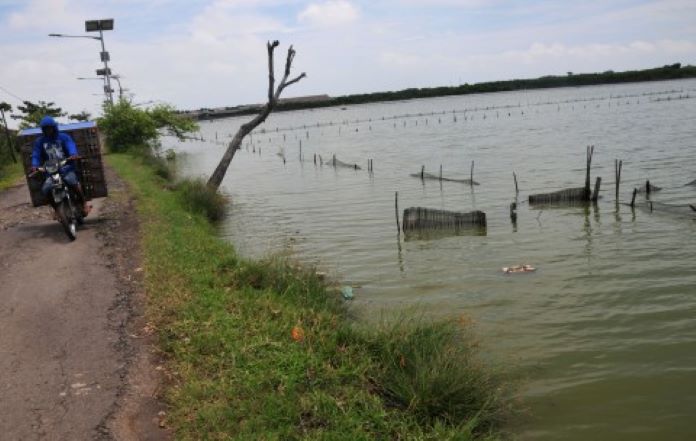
48, 121
49, 127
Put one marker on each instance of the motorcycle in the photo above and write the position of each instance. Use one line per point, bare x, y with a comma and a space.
67, 211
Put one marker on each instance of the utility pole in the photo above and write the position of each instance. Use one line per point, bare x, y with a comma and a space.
94, 26
4, 106
101, 26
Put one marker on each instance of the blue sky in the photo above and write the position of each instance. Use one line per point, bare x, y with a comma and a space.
209, 53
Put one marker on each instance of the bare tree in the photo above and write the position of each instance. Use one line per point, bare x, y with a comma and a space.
246, 128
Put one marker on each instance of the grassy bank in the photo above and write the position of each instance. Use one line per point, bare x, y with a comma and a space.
265, 350
10, 174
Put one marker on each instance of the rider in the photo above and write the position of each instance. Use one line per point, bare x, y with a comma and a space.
56, 146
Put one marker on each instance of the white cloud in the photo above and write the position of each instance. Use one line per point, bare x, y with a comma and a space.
216, 55
329, 13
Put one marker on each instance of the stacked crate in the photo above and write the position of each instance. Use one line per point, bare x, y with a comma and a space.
90, 169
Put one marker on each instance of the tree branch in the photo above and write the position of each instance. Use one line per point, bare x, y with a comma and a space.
246, 128
271, 79
295, 80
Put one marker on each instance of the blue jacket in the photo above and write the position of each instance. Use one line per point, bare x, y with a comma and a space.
60, 146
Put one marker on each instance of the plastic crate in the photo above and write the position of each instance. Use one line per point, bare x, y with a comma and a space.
90, 169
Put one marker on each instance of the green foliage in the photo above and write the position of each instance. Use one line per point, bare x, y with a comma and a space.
432, 370
130, 128
266, 350
82, 116
127, 127
199, 198
156, 163
10, 172
31, 113
166, 118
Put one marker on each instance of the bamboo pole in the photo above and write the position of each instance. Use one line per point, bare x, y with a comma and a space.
633, 198
396, 211
514, 176
617, 174
590, 151
598, 182
471, 175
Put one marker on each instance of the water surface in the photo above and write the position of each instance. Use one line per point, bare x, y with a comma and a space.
604, 332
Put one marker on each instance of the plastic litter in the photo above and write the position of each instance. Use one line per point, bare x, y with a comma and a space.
347, 292
519, 269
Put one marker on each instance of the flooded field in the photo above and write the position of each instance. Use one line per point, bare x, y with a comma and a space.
604, 332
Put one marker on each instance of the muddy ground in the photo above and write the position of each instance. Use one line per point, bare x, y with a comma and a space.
77, 359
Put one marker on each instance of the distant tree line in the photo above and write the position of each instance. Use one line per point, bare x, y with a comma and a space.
668, 72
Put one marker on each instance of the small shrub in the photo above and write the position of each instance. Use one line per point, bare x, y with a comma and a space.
432, 370
296, 283
159, 165
198, 198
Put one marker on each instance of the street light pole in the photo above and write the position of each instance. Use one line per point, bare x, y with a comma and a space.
105, 59
120, 89
115, 77
92, 26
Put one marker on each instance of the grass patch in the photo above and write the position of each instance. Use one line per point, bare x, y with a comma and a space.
197, 197
264, 350
10, 174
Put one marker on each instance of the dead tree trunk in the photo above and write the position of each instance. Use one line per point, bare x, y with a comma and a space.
246, 128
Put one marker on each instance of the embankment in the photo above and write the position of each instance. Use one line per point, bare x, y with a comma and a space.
266, 350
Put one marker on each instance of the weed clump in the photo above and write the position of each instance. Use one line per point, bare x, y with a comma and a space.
432, 370
159, 165
198, 198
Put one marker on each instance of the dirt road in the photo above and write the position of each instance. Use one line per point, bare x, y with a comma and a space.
71, 361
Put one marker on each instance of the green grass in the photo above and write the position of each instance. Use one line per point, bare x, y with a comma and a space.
198, 198
265, 350
10, 174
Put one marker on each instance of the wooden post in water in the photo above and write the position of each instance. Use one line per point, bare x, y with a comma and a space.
471, 175
396, 210
647, 187
422, 172
315, 159
617, 175
595, 196
334, 159
590, 151
633, 198
514, 176
440, 172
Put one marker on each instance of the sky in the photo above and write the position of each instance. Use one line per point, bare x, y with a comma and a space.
212, 53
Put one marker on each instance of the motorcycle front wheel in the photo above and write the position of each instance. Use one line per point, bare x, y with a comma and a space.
67, 220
